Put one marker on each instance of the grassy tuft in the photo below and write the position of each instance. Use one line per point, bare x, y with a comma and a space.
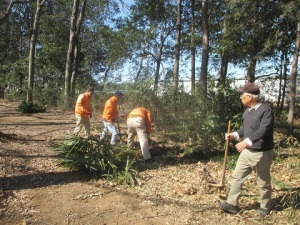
97, 159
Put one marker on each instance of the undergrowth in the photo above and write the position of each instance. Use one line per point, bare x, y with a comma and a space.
25, 107
97, 159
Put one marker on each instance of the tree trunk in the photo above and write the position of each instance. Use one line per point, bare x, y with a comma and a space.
293, 80
251, 67
72, 55
284, 81
33, 40
224, 53
74, 70
138, 74
205, 45
280, 81
158, 60
106, 75
253, 50
177, 46
193, 49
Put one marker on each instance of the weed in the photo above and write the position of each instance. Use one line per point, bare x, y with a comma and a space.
97, 159
291, 201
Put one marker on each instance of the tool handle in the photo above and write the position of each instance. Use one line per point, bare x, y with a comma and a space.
225, 156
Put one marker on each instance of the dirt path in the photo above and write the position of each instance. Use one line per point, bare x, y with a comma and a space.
36, 190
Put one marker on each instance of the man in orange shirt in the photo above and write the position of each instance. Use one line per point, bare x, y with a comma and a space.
139, 121
110, 115
83, 112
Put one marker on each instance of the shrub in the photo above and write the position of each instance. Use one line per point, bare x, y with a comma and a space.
25, 107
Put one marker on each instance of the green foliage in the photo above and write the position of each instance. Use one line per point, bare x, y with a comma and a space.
187, 118
97, 159
193, 153
231, 159
15, 95
25, 107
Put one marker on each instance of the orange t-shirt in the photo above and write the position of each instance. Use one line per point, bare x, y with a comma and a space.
110, 111
82, 106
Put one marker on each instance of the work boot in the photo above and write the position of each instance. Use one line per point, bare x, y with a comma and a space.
226, 207
262, 212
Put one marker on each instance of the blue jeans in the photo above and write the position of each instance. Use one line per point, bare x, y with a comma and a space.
111, 127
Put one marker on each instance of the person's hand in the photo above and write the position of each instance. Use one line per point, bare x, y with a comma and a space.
241, 146
229, 136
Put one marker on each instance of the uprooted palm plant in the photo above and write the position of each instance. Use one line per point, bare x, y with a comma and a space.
98, 159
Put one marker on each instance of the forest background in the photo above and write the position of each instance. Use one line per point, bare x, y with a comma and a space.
53, 50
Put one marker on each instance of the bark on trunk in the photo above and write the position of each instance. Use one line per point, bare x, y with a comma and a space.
292, 95
33, 40
72, 55
205, 45
177, 46
193, 50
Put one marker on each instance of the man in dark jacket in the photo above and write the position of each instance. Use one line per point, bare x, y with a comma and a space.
256, 150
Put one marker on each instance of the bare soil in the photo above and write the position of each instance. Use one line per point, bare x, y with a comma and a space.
35, 189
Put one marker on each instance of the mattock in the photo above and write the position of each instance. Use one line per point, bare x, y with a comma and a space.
221, 184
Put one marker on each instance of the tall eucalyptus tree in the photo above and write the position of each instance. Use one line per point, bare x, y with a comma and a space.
293, 82
205, 49
193, 47
291, 10
32, 49
177, 45
78, 13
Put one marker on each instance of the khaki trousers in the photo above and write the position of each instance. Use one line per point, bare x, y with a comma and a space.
260, 163
138, 126
82, 122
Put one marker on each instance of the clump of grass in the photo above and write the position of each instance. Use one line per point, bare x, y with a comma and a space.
291, 200
97, 159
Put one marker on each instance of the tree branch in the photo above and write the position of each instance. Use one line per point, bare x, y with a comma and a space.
266, 75
8, 10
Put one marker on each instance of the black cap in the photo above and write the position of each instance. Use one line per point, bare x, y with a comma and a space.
250, 88
118, 93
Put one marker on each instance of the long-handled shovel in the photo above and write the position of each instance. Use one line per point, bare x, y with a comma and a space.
221, 185
119, 129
